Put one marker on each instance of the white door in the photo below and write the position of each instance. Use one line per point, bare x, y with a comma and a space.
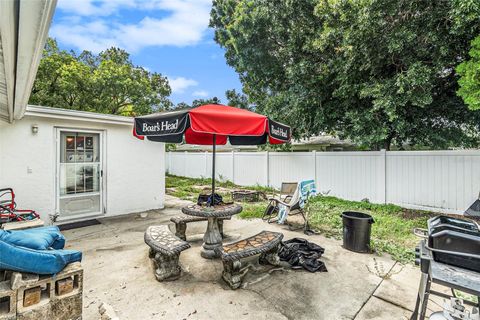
79, 173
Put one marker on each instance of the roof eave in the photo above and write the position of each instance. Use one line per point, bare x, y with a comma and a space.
75, 115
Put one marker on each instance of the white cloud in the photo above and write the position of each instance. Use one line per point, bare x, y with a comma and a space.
165, 23
180, 84
200, 93
93, 8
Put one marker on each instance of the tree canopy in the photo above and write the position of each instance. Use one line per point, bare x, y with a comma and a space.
380, 72
469, 81
105, 83
234, 99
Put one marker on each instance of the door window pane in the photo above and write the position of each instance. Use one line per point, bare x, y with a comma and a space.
80, 173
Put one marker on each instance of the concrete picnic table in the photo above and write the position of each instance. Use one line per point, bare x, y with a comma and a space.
212, 238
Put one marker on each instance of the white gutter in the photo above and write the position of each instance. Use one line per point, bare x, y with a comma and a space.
75, 115
8, 32
33, 23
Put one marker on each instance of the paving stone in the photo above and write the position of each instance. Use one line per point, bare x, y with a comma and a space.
400, 286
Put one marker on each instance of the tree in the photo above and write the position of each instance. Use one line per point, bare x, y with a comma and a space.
469, 81
182, 105
238, 100
380, 72
105, 83
201, 102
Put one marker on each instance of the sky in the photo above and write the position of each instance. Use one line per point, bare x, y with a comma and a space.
170, 37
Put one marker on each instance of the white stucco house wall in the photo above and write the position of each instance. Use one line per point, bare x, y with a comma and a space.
67, 165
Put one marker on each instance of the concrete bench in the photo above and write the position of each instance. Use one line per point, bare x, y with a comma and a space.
181, 224
265, 243
165, 249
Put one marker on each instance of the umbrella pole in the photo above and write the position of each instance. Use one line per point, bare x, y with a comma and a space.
213, 168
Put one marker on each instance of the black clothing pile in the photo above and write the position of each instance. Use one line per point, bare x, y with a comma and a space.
206, 199
300, 253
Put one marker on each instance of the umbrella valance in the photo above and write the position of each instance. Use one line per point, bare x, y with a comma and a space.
203, 124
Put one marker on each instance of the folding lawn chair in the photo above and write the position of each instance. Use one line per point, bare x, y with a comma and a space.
286, 193
289, 203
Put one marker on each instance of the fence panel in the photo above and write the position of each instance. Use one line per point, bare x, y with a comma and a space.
250, 168
195, 164
223, 166
447, 181
351, 175
290, 167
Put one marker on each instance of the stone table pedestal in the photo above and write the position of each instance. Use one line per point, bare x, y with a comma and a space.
212, 238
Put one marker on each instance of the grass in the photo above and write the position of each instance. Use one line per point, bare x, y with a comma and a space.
391, 232
189, 188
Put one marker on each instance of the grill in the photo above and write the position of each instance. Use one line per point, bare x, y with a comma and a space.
454, 242
449, 255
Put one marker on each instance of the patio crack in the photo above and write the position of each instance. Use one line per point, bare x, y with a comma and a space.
373, 292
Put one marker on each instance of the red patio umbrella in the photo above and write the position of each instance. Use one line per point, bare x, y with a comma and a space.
211, 124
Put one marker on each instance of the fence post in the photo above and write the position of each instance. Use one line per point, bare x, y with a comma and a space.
383, 176
185, 156
267, 168
206, 164
167, 161
233, 166
314, 155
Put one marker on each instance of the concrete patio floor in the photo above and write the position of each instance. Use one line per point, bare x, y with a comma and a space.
117, 271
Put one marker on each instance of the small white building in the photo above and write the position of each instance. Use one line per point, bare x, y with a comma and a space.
67, 165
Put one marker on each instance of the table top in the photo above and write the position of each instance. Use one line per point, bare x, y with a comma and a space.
215, 211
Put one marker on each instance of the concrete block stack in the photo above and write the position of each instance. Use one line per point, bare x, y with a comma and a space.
27, 296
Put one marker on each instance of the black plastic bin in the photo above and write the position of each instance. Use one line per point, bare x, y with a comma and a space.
357, 227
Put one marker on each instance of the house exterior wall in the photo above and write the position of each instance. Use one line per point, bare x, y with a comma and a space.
134, 170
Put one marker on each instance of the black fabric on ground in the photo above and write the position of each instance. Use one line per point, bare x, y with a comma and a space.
300, 253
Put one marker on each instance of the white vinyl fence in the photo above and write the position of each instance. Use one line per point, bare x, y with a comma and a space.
445, 181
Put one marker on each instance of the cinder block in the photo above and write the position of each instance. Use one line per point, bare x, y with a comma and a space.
60, 299
64, 286
8, 302
19, 280
31, 296
67, 308
34, 295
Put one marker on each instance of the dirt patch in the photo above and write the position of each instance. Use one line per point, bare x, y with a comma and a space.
417, 214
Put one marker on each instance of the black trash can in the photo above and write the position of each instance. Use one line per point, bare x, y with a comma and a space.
357, 227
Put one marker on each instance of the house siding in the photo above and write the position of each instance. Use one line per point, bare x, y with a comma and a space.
134, 170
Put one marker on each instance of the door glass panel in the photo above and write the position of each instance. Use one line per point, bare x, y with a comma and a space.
80, 172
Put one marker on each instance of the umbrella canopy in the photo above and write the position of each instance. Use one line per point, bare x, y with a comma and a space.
211, 124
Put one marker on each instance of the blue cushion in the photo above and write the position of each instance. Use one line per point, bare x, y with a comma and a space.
36, 238
35, 261
59, 242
